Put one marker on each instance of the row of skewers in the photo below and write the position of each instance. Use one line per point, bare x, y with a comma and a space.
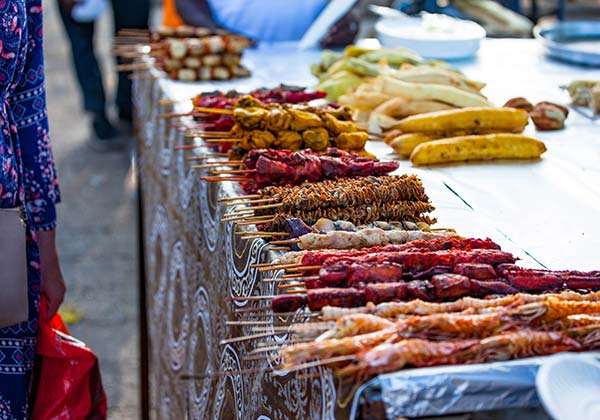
185, 54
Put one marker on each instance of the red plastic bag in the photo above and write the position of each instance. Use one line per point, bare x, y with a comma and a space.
68, 385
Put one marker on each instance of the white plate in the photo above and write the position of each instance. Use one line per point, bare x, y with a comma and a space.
433, 36
569, 387
333, 12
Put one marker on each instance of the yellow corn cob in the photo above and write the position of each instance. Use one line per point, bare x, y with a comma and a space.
466, 119
478, 147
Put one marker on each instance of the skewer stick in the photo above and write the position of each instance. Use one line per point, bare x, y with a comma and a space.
274, 267
251, 323
132, 67
245, 298
241, 197
263, 222
214, 165
289, 285
262, 200
280, 248
306, 268
285, 241
223, 140
317, 363
266, 206
257, 233
296, 291
213, 110
223, 178
246, 338
233, 172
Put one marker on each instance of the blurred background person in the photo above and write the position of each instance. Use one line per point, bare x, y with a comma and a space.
78, 17
261, 20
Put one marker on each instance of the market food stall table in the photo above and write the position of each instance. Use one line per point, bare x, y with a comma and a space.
545, 212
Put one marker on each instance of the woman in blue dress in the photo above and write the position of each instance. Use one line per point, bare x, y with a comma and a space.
28, 178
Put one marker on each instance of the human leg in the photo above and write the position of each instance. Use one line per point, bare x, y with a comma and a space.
131, 14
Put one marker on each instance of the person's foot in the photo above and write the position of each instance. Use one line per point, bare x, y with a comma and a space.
126, 120
105, 136
125, 114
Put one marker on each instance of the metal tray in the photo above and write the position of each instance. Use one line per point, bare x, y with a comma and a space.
575, 42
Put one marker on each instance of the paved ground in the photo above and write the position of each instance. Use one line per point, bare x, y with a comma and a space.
97, 225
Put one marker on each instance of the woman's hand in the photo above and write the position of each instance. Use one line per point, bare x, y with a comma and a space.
53, 285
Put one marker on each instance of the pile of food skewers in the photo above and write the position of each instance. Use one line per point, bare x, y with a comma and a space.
425, 303
269, 167
188, 54
355, 200
292, 127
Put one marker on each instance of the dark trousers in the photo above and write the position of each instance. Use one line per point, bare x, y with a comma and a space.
127, 14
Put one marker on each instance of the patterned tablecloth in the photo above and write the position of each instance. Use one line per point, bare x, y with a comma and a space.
194, 262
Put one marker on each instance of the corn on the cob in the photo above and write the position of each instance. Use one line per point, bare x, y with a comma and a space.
478, 147
466, 119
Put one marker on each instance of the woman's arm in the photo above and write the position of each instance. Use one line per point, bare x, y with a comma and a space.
28, 103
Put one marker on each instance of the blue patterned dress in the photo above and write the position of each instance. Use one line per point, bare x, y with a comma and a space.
28, 176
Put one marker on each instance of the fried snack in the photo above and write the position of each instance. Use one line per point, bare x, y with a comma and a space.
477, 147
404, 144
472, 120
428, 92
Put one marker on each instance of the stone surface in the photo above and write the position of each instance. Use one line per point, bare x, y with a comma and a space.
97, 223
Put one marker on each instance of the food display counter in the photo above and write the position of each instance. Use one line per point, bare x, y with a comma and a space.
198, 271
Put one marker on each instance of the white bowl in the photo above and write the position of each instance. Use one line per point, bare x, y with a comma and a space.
433, 36
569, 387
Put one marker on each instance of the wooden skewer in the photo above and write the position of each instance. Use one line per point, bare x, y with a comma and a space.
223, 140
251, 323
214, 165
262, 200
132, 67
267, 234
267, 346
285, 241
280, 248
241, 197
296, 291
315, 364
245, 298
255, 223
306, 268
288, 285
246, 338
233, 172
223, 178
273, 267
213, 110
266, 206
